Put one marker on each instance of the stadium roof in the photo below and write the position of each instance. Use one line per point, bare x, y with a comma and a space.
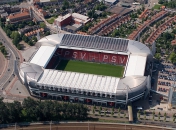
79, 81
95, 42
43, 55
136, 65
89, 43
32, 70
134, 78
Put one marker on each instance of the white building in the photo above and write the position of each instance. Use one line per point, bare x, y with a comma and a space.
133, 55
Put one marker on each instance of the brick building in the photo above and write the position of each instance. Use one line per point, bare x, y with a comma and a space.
24, 15
63, 20
74, 18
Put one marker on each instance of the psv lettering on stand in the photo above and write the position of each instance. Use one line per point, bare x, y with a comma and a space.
92, 56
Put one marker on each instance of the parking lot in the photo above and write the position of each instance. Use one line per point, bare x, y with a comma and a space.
166, 77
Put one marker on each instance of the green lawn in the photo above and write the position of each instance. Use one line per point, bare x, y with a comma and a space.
91, 68
157, 6
50, 20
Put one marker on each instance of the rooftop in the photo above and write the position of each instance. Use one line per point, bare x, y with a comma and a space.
82, 82
61, 18
95, 42
80, 16
18, 15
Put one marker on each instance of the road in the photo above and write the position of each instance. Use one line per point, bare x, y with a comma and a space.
8, 75
86, 126
37, 16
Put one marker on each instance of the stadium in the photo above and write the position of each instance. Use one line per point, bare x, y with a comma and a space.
88, 69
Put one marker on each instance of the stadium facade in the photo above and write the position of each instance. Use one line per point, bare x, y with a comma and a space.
42, 80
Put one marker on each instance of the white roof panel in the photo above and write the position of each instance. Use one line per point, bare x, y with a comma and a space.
136, 65
79, 81
43, 55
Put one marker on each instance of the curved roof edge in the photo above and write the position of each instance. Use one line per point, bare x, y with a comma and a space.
134, 47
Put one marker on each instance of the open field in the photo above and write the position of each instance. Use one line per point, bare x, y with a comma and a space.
157, 6
91, 68
51, 20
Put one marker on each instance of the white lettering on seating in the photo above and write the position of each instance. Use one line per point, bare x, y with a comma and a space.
74, 55
113, 59
82, 56
66, 53
122, 60
105, 57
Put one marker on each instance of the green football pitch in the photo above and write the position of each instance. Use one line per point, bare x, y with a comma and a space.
91, 68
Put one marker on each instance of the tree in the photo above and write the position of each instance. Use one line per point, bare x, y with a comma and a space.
3, 112
26, 39
143, 8
139, 114
15, 41
165, 115
104, 113
144, 114
99, 112
21, 25
15, 109
159, 114
158, 56
112, 109
19, 47
119, 112
161, 2
34, 39
100, 108
112, 113
47, 33
42, 25
8, 32
94, 106
93, 111
66, 4
153, 113
124, 115
32, 110
30, 43
172, 57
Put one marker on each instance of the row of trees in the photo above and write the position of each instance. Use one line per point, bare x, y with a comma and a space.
101, 6
164, 41
169, 4
12, 32
3, 49
124, 30
105, 111
32, 110
154, 115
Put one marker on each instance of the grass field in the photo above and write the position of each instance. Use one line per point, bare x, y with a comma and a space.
157, 6
50, 20
91, 68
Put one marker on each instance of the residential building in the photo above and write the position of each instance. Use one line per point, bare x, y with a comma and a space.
24, 15
8, 1
4, 15
28, 29
80, 19
74, 18
63, 20
12, 9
